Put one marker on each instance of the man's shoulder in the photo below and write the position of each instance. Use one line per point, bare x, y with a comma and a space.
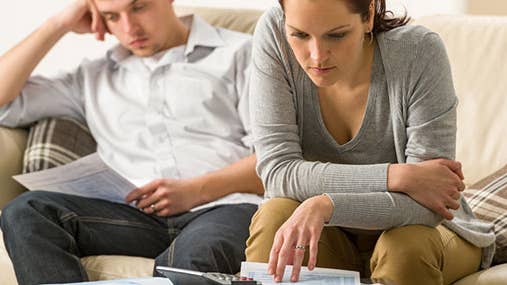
234, 38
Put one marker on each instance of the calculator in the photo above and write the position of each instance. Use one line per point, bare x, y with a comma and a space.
186, 277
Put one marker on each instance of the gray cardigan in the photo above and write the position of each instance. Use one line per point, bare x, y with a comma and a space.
423, 109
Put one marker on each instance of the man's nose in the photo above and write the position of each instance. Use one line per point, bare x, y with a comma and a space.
128, 24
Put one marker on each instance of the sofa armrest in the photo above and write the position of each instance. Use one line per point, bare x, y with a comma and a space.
12, 146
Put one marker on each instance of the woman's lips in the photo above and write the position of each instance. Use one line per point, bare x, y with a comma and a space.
321, 70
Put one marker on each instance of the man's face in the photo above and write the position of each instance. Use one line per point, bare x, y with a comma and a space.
142, 26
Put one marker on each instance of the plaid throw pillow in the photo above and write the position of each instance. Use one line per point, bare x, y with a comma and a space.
56, 141
488, 200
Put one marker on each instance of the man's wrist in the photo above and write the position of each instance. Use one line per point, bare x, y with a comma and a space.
54, 25
199, 187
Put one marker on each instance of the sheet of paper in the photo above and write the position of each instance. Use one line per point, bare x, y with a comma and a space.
131, 281
88, 176
259, 272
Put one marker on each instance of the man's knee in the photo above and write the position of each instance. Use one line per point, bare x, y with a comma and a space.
206, 254
16, 211
266, 221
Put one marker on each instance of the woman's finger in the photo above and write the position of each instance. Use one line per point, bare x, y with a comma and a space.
299, 255
283, 257
273, 254
452, 204
314, 249
444, 212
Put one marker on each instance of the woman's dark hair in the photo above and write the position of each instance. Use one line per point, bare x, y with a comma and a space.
384, 20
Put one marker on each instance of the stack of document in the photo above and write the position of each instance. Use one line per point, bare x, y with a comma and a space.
318, 276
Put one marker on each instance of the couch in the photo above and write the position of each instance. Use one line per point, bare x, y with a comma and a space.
478, 58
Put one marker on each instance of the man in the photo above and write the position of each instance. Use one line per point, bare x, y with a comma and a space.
168, 110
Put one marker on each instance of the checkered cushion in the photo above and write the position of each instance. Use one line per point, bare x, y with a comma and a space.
488, 200
56, 141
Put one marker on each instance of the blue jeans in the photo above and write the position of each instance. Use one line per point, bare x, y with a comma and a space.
46, 233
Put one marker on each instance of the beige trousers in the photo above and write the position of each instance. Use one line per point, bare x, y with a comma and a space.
409, 255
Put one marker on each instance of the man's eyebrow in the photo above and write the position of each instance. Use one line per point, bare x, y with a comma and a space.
105, 13
332, 30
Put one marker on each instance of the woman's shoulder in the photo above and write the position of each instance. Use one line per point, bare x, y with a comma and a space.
410, 38
271, 21
410, 46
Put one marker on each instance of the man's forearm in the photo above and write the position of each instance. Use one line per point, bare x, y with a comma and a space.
18, 63
239, 177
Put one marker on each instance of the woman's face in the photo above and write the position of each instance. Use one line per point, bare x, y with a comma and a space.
327, 39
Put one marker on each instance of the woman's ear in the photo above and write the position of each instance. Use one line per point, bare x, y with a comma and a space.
371, 18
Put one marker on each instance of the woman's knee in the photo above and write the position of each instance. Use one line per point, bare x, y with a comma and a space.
409, 241
408, 253
265, 222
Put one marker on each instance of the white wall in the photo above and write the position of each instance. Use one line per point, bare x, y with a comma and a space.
19, 18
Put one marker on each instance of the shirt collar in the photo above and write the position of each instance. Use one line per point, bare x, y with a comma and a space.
201, 34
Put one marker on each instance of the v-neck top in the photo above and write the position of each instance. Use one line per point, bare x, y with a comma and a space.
373, 143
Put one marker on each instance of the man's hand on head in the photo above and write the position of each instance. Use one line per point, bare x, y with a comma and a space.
81, 17
98, 26
166, 197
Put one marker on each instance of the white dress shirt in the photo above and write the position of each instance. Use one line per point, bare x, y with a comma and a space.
178, 114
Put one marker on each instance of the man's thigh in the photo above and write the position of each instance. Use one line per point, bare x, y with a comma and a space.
214, 240
98, 226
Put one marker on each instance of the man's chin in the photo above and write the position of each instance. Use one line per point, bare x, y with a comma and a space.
142, 52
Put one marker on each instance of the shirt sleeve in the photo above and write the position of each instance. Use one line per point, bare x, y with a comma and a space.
243, 66
281, 165
43, 97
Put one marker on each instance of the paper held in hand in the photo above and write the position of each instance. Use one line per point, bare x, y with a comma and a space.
88, 176
318, 276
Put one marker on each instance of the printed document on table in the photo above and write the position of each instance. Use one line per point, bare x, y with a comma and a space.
318, 276
88, 176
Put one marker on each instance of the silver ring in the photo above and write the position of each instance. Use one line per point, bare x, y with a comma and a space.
152, 206
300, 247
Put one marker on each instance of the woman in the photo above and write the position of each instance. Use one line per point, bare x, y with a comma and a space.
354, 115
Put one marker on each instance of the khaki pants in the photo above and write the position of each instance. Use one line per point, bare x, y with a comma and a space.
407, 255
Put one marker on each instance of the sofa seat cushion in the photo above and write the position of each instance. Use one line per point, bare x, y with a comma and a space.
107, 267
6, 270
496, 275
